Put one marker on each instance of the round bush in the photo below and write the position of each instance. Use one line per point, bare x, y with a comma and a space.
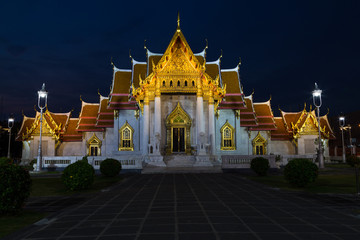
15, 183
110, 167
260, 166
5, 161
300, 172
78, 175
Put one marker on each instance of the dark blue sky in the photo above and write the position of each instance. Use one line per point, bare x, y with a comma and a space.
285, 47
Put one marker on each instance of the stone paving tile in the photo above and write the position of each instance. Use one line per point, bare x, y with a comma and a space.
198, 206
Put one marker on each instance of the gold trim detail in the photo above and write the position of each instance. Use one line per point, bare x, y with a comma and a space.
227, 137
259, 145
126, 133
94, 146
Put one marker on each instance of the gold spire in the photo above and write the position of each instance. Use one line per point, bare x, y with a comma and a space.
178, 22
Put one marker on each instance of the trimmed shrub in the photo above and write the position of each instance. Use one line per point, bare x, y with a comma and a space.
78, 175
353, 161
5, 161
110, 167
300, 172
15, 183
260, 166
85, 159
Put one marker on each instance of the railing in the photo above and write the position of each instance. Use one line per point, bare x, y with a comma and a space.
64, 161
243, 161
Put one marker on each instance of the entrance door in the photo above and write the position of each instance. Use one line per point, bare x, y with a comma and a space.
178, 139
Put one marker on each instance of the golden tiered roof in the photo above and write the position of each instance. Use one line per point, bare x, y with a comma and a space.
176, 71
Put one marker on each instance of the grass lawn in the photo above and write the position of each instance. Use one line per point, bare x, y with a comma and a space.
48, 186
339, 183
9, 224
53, 186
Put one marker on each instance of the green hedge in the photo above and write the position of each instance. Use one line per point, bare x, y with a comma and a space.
300, 172
260, 166
15, 184
110, 167
78, 175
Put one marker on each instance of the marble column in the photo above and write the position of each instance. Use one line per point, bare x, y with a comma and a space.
157, 124
145, 134
212, 126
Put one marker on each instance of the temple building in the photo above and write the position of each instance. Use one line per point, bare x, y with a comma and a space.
174, 109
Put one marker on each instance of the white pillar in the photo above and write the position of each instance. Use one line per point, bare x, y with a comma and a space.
157, 123
237, 131
145, 140
212, 127
200, 126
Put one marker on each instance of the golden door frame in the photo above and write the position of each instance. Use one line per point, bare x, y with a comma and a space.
178, 118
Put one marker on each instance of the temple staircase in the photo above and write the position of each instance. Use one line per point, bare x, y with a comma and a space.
179, 160
182, 163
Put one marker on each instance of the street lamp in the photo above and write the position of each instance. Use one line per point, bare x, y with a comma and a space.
317, 102
42, 102
342, 124
10, 125
350, 142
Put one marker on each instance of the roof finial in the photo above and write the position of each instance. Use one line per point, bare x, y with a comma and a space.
178, 22
99, 92
206, 47
111, 62
81, 98
145, 44
221, 55
239, 62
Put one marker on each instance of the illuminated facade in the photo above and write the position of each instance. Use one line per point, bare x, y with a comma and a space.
174, 105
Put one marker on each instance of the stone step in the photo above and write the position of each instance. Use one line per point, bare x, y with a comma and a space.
179, 161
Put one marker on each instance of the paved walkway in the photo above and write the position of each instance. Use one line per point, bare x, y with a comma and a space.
201, 206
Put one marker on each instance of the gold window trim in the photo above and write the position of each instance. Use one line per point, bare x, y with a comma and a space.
224, 137
94, 141
125, 127
259, 141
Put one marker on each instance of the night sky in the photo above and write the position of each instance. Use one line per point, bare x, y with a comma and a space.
285, 47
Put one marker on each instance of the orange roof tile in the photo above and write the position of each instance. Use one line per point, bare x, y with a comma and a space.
264, 117
87, 117
71, 134
281, 132
139, 69
234, 98
105, 116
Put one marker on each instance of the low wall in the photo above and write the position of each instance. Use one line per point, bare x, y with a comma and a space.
64, 161
243, 161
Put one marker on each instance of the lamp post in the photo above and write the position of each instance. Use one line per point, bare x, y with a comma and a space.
351, 146
42, 102
342, 124
317, 102
10, 125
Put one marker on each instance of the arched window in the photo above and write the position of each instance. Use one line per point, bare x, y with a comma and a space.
185, 83
193, 83
170, 83
126, 138
94, 146
163, 83
178, 84
227, 137
259, 145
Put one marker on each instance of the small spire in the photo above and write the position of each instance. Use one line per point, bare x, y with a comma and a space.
130, 55
178, 22
239, 62
99, 92
145, 44
81, 98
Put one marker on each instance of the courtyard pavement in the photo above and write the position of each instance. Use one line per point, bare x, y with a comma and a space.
198, 206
